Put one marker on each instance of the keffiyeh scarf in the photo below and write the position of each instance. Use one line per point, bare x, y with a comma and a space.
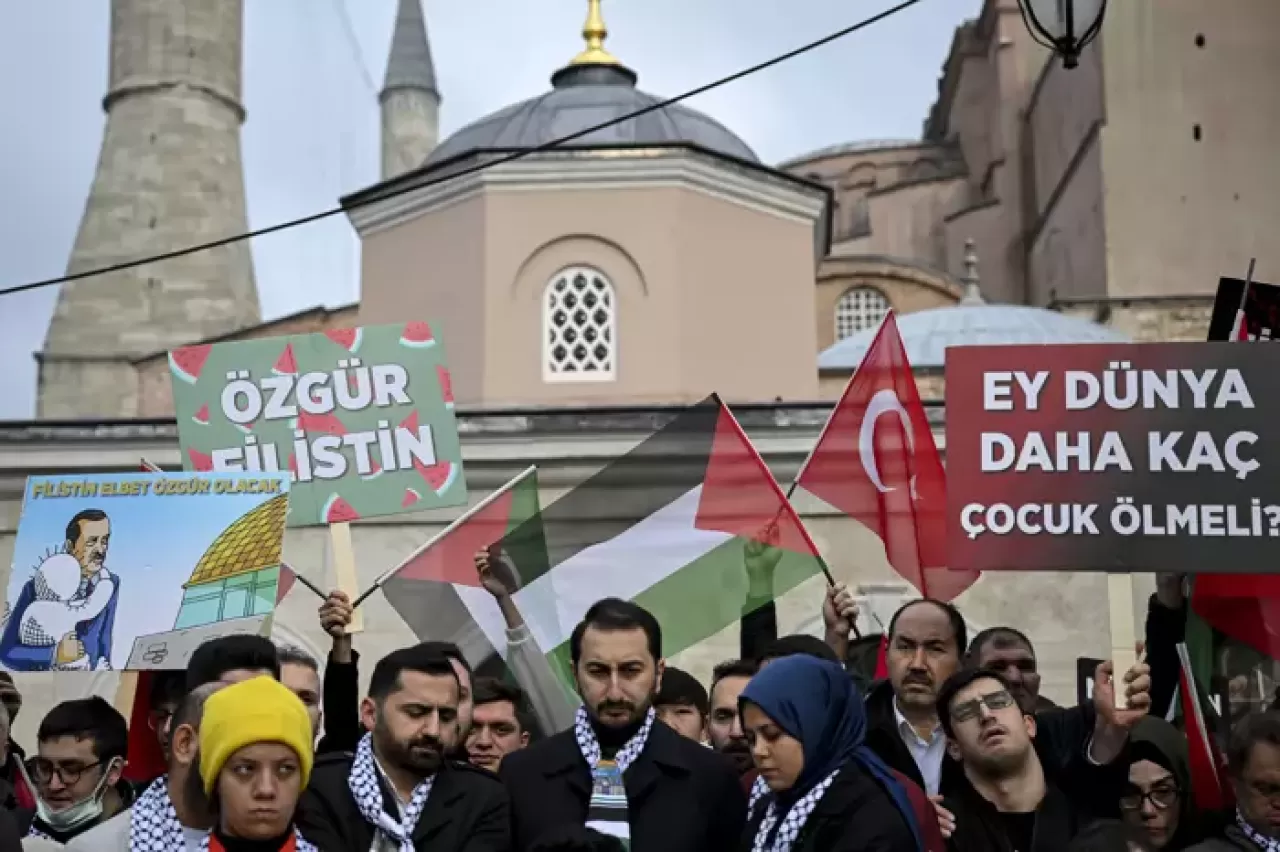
154, 826
1264, 843
368, 795
792, 823
607, 810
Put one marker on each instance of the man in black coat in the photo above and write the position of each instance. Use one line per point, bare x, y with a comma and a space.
620, 771
399, 788
926, 641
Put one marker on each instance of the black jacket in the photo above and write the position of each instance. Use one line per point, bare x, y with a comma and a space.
979, 827
1062, 735
467, 811
856, 814
681, 796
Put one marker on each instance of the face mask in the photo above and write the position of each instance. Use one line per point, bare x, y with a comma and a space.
81, 813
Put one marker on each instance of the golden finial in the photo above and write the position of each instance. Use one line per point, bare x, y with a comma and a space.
594, 32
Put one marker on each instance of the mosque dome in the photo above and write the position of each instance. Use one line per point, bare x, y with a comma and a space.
926, 335
594, 88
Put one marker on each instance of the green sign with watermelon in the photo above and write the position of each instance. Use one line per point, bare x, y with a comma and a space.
361, 417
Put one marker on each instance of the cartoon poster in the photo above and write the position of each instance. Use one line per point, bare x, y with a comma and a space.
104, 562
362, 418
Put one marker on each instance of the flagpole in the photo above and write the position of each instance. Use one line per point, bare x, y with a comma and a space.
1241, 328
777, 489
457, 522
151, 467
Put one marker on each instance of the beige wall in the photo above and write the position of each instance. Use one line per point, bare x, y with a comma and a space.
907, 289
706, 286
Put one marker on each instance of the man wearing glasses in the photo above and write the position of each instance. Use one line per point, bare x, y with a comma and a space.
1008, 803
77, 774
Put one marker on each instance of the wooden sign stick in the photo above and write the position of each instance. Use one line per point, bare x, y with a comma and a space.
1123, 639
344, 568
125, 693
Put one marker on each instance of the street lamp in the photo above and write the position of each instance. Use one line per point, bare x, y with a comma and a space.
1064, 26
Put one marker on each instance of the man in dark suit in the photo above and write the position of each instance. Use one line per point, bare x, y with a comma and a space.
399, 790
618, 771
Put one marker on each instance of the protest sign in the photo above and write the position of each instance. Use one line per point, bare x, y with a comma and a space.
1261, 310
104, 565
362, 418
1115, 457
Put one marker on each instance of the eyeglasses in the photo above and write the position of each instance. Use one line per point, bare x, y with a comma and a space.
998, 700
42, 770
1161, 798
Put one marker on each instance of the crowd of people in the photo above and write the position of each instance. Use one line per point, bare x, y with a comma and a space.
794, 747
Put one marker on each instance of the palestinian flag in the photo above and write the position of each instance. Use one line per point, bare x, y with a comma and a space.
665, 526
426, 588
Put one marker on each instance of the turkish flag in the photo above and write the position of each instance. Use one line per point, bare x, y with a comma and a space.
876, 462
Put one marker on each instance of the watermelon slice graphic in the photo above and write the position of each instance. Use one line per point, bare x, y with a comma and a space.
439, 476
417, 335
246, 428
374, 472
336, 511
285, 364
202, 416
293, 466
446, 386
187, 362
321, 424
346, 337
199, 461
411, 422
410, 497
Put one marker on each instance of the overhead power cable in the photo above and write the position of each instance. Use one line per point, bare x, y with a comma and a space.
479, 167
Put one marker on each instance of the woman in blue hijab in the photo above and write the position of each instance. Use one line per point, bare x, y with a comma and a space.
820, 788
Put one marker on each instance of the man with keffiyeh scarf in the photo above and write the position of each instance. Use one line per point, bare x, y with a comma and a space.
618, 770
399, 792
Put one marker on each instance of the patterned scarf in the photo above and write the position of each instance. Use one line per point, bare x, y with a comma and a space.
792, 823
1266, 844
154, 826
367, 792
607, 810
37, 833
299, 844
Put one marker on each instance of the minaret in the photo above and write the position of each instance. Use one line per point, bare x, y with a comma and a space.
169, 176
972, 294
409, 98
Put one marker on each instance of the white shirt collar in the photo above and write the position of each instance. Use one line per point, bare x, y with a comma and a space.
906, 729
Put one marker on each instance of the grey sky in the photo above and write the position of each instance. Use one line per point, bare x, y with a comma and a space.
312, 128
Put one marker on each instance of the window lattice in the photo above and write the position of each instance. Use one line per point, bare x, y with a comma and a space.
859, 308
579, 311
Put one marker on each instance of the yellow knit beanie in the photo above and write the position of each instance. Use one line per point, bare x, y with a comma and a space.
260, 710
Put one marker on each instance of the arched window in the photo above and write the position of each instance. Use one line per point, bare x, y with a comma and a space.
579, 327
859, 308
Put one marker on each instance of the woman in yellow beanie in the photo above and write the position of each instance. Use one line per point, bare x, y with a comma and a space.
255, 759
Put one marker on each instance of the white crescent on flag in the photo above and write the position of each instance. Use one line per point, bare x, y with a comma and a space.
883, 402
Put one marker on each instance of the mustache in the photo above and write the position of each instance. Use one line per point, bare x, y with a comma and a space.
606, 706
919, 678
430, 743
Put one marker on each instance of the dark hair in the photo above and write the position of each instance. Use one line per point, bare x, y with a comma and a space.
191, 710
88, 719
958, 630
90, 515
1109, 835
167, 687
293, 655
1000, 637
492, 690
733, 668
213, 659
448, 650
613, 614
957, 682
417, 658
681, 688
798, 643
574, 838
1247, 733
